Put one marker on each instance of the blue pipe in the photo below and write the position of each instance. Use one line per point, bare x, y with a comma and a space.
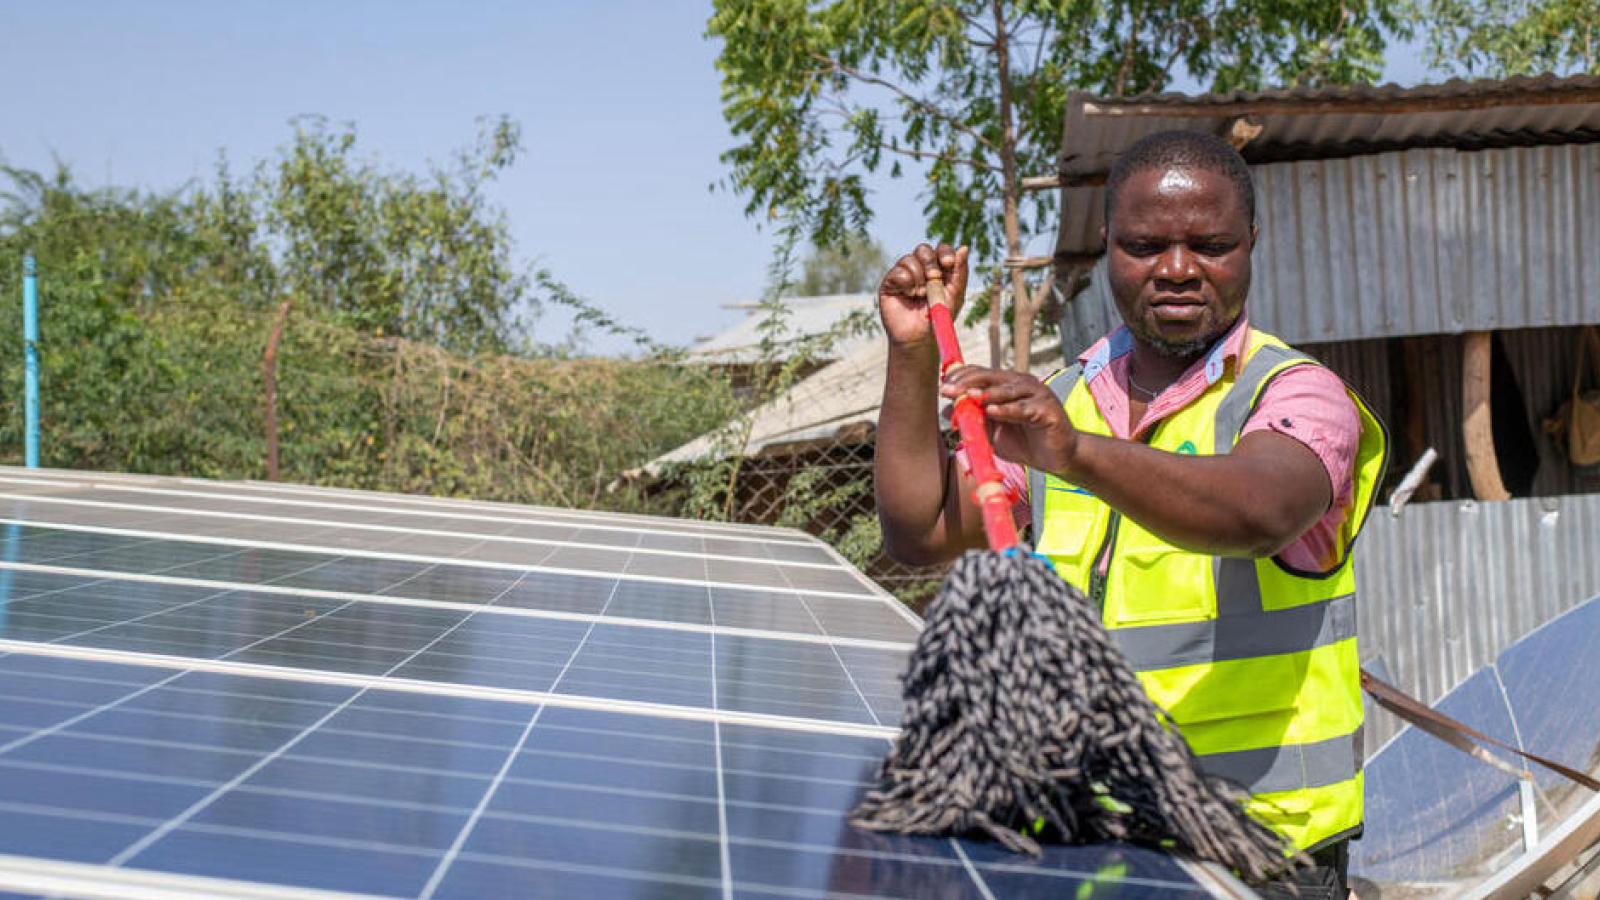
30, 349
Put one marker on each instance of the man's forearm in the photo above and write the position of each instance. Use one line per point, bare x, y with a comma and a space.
1239, 504
911, 466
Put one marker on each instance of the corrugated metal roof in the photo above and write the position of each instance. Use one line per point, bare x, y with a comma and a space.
804, 317
1321, 123
844, 394
1425, 241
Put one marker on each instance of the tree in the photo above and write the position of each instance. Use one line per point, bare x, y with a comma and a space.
843, 268
973, 94
1512, 37
426, 258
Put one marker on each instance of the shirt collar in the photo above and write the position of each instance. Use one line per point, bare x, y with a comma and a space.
1119, 343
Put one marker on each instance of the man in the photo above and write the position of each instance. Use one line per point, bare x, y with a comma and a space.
1200, 481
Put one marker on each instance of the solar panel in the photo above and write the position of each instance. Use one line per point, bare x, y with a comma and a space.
238, 689
1438, 817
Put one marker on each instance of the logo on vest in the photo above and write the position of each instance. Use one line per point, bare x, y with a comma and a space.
1187, 448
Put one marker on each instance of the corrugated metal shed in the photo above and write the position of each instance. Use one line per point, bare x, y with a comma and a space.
1427, 241
1445, 586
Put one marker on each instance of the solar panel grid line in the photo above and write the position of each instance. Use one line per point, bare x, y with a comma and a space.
14, 744
877, 590
436, 807
37, 735
100, 882
397, 529
178, 821
488, 795
764, 540
418, 558
370, 500
446, 689
730, 528
842, 666
171, 609
971, 871
716, 737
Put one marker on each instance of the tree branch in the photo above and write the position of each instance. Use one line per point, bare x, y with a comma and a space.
1178, 47
1118, 87
948, 118
1326, 46
927, 154
1038, 50
977, 25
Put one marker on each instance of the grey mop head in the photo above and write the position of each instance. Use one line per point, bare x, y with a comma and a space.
1022, 718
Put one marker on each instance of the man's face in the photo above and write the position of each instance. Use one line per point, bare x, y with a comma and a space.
1178, 256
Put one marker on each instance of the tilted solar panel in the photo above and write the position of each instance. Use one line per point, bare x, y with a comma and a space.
259, 690
1439, 821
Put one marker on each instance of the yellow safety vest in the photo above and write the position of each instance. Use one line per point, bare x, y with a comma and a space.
1255, 664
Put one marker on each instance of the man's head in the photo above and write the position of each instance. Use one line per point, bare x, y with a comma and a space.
1180, 224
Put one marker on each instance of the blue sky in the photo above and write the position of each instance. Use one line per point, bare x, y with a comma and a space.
618, 103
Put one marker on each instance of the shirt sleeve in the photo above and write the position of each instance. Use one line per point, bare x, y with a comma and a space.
1014, 477
1312, 405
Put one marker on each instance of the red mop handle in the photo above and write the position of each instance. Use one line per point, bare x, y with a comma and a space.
993, 497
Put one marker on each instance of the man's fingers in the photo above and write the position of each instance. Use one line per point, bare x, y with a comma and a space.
906, 278
955, 267
979, 377
1020, 412
976, 376
998, 393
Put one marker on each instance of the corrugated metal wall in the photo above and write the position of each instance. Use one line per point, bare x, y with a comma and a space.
1424, 241
1445, 586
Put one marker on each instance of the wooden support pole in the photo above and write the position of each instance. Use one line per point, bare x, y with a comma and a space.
997, 298
1414, 431
1022, 316
1483, 467
269, 367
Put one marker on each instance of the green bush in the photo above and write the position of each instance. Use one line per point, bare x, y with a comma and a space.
406, 361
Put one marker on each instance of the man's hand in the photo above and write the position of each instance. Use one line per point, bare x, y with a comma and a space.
1027, 424
903, 293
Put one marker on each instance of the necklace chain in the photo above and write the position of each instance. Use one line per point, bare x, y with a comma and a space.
1139, 387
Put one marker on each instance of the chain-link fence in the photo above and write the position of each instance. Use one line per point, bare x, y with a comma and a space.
825, 488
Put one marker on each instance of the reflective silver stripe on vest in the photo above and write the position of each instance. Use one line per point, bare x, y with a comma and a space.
1234, 410
1290, 767
1061, 386
1238, 591
1247, 636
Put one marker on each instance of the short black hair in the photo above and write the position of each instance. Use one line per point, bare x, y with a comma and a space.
1179, 149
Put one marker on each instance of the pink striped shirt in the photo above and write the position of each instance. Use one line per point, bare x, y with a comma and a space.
1307, 403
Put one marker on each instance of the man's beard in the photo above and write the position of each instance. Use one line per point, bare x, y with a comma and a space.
1178, 349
